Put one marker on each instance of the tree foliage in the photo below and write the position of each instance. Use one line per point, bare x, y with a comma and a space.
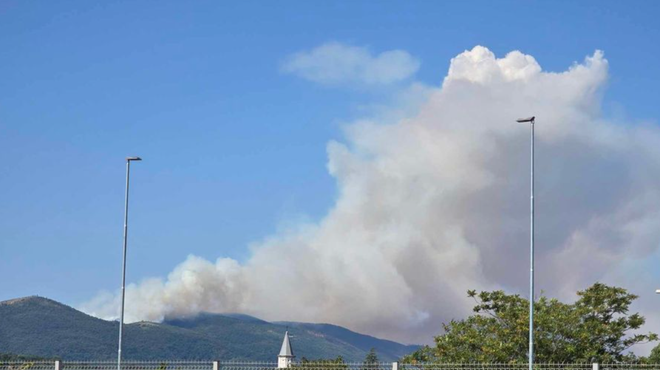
596, 328
9, 357
371, 358
654, 356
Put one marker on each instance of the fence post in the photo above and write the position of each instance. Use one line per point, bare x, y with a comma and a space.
595, 366
395, 365
58, 365
216, 365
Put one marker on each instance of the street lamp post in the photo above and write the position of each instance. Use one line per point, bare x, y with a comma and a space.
123, 266
530, 120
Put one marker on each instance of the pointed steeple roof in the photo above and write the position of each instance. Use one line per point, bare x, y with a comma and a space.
286, 350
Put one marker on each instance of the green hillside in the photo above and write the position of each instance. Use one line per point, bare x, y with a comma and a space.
42, 327
387, 350
260, 340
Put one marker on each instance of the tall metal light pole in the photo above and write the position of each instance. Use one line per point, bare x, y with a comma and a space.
531, 244
123, 266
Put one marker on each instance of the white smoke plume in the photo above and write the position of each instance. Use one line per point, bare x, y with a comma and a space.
437, 203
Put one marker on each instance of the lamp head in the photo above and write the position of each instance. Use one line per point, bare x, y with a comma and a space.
133, 159
525, 120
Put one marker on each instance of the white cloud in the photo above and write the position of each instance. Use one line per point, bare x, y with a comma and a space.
436, 203
337, 64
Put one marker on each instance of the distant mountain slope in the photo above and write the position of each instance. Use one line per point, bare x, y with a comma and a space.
386, 349
261, 340
42, 327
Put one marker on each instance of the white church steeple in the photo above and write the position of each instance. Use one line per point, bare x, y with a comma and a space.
286, 356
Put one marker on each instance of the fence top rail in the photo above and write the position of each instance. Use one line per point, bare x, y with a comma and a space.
324, 363
332, 362
495, 363
138, 361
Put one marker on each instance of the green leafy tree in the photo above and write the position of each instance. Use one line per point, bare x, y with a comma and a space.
371, 357
370, 360
596, 328
654, 357
8, 357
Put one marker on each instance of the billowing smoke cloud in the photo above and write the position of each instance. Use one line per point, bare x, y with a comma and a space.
437, 203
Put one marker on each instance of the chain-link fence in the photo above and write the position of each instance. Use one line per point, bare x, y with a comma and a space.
107, 365
136, 365
334, 365
494, 366
524, 366
304, 365
245, 365
27, 365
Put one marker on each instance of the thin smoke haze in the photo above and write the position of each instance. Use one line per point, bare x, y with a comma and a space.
436, 203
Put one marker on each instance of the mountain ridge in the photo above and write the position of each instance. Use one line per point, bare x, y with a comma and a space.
39, 326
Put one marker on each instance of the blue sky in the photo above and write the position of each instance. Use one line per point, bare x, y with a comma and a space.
232, 146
